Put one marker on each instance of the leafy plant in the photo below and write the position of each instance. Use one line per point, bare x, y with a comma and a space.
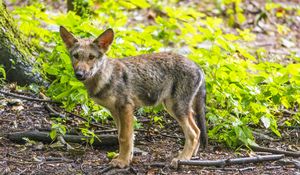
57, 129
90, 135
245, 89
111, 155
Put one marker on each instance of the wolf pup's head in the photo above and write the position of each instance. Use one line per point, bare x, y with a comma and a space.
87, 55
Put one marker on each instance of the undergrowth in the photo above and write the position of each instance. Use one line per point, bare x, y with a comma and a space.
244, 89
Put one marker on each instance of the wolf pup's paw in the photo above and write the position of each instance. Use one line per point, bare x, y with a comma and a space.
120, 163
174, 163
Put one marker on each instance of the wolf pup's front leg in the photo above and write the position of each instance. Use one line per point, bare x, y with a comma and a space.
124, 120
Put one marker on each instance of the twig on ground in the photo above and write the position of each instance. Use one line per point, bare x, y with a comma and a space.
76, 116
104, 170
226, 162
22, 171
157, 164
162, 134
5, 120
54, 112
228, 169
172, 136
294, 162
247, 168
62, 140
264, 136
272, 167
105, 131
26, 98
275, 151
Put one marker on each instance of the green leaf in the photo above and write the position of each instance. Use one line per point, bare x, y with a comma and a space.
52, 71
2, 72
64, 79
285, 102
140, 3
53, 134
111, 155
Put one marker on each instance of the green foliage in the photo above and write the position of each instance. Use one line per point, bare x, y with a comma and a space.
2, 74
90, 135
57, 129
111, 155
244, 90
82, 7
233, 10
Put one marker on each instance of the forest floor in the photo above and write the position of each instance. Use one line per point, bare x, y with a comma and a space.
155, 146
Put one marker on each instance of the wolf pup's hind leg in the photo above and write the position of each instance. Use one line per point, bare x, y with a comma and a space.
189, 127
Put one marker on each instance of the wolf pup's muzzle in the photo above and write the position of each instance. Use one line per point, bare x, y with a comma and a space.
80, 75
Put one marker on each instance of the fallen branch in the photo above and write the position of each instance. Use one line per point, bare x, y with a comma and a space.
54, 112
104, 170
275, 151
106, 131
25, 97
62, 141
294, 162
263, 136
105, 140
226, 162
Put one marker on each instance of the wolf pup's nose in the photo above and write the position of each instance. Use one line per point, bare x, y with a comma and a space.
79, 75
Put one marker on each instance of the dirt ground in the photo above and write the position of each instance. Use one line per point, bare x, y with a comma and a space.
153, 150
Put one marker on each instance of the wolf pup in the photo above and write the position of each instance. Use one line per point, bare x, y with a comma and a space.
121, 85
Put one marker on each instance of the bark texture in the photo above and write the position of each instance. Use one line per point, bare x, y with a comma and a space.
15, 53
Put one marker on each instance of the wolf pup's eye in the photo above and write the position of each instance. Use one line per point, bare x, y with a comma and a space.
76, 56
91, 57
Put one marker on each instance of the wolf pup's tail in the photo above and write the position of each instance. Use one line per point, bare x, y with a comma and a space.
200, 109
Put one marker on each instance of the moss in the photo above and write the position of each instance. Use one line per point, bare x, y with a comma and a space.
15, 53
10, 36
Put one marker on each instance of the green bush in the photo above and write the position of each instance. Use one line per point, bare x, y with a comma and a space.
243, 89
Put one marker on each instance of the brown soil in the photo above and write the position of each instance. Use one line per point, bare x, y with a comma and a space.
152, 147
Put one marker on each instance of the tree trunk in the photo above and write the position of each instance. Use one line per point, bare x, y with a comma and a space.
15, 54
70, 5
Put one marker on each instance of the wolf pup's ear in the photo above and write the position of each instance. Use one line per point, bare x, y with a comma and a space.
105, 40
67, 37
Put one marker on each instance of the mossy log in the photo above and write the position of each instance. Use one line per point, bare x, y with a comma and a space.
15, 53
105, 140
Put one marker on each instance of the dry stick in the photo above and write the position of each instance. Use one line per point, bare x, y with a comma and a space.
51, 110
162, 134
104, 170
105, 131
26, 98
62, 140
263, 136
294, 162
275, 151
225, 162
